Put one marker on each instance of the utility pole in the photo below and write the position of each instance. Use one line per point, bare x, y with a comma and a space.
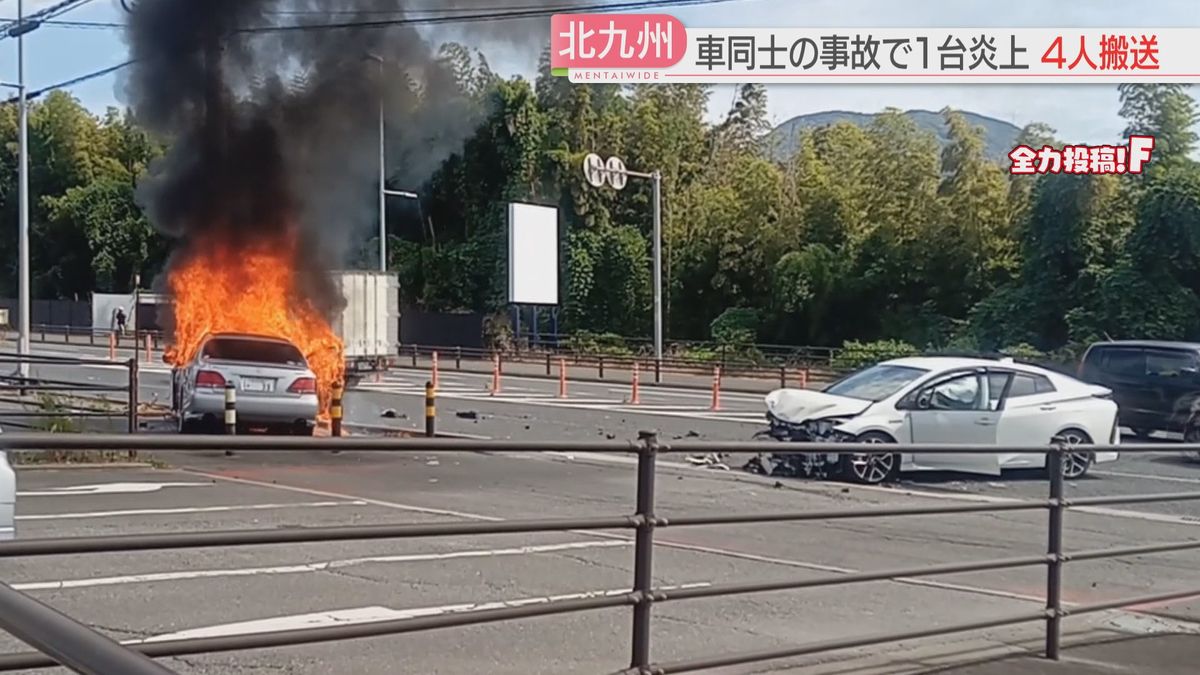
23, 198
382, 171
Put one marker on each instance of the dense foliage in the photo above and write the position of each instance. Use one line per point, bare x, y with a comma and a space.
866, 234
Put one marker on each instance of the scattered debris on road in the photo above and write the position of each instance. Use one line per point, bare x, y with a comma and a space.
713, 460
466, 414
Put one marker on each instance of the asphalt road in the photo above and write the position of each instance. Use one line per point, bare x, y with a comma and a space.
529, 408
151, 595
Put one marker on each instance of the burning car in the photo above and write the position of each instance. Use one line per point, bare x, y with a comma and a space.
935, 400
275, 388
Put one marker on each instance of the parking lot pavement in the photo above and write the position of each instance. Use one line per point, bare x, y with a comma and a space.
152, 595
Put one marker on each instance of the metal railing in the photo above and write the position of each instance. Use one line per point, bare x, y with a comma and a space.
609, 367
59, 638
32, 400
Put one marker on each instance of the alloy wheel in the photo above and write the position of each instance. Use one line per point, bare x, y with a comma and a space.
1074, 463
872, 469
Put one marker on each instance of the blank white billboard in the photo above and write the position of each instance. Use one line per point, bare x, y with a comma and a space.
532, 254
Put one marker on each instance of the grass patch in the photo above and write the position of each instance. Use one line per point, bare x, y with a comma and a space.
56, 419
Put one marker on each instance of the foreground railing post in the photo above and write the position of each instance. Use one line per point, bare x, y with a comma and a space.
1054, 466
643, 551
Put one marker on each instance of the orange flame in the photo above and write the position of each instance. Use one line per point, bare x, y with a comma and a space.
220, 288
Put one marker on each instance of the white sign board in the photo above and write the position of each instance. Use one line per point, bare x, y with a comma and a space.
104, 310
532, 254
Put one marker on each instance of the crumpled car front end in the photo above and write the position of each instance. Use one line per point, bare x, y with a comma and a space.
805, 416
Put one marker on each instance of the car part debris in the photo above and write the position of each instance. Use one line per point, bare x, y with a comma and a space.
467, 414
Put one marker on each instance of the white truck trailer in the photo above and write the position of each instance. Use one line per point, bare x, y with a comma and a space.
369, 323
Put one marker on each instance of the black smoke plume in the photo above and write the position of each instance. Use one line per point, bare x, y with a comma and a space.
276, 131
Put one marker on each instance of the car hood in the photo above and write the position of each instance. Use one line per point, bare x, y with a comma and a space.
802, 405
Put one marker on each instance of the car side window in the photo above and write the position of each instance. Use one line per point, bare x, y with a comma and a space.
1026, 384
1129, 362
996, 384
1170, 363
960, 393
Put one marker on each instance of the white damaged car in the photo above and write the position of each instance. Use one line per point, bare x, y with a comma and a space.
945, 400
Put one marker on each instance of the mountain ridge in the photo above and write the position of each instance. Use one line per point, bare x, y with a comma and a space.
1000, 136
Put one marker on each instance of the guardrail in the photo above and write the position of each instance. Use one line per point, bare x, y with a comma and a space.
55, 398
57, 638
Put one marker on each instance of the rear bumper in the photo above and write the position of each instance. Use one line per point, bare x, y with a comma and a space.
254, 409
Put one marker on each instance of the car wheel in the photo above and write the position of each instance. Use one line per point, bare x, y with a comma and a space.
1075, 463
871, 469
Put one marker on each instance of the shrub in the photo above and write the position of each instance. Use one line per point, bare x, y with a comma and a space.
855, 355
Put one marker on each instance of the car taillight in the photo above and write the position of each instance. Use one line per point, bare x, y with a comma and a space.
210, 378
304, 385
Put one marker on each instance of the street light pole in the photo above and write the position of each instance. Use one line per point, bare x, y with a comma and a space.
23, 199
656, 177
382, 172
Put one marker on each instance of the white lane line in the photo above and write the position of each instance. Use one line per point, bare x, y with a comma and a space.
107, 489
305, 568
612, 536
187, 509
1146, 476
360, 615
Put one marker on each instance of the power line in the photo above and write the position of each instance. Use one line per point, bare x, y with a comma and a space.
440, 15
492, 16
37, 18
55, 23
75, 80
484, 16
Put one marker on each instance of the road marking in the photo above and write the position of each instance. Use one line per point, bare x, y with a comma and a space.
306, 568
658, 542
1166, 479
375, 614
107, 489
184, 510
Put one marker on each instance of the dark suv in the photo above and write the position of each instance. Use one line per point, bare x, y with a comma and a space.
1156, 384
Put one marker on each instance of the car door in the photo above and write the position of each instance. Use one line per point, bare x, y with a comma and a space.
1030, 417
1171, 377
957, 409
1123, 370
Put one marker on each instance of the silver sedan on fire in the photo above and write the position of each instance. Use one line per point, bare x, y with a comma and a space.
271, 381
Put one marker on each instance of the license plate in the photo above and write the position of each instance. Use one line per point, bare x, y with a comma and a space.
257, 384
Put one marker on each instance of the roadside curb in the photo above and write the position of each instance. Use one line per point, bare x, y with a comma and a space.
82, 466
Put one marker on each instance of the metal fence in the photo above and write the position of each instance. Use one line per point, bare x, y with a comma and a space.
40, 399
61, 640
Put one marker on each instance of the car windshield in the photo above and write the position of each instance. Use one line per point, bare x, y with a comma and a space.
256, 351
875, 383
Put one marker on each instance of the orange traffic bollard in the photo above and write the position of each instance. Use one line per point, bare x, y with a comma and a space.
562, 378
635, 398
804, 378
112, 346
149, 350
495, 374
434, 378
716, 388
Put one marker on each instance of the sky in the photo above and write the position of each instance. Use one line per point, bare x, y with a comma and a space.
1079, 112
